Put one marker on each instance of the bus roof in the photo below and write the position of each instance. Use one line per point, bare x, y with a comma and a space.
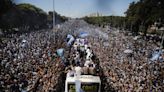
84, 79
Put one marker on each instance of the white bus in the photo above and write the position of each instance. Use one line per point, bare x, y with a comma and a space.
89, 83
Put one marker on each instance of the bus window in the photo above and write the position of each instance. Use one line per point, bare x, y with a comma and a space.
85, 87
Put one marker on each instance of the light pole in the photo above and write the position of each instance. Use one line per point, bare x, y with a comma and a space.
53, 14
162, 30
54, 17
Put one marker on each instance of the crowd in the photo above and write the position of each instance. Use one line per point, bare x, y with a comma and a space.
133, 71
29, 61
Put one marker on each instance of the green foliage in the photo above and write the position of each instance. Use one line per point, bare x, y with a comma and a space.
115, 21
145, 13
25, 17
139, 16
58, 17
30, 7
5, 5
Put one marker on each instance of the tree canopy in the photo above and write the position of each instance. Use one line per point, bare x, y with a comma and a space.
114, 21
139, 16
5, 5
145, 13
24, 17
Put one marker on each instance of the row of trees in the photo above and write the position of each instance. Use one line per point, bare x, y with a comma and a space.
139, 16
24, 17
114, 21
58, 18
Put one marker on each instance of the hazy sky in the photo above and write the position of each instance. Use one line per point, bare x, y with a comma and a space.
80, 8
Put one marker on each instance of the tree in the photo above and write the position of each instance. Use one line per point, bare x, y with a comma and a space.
5, 5
114, 21
24, 17
144, 13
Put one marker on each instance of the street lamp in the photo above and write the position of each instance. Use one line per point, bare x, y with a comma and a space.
53, 14
162, 30
54, 17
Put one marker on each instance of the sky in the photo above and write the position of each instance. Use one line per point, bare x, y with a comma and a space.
81, 8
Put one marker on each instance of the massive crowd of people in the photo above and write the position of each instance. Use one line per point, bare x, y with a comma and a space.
29, 61
133, 71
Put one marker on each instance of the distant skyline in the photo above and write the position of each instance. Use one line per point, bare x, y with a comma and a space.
81, 8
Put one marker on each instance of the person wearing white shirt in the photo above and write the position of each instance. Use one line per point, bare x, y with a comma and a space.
87, 62
78, 70
89, 53
85, 46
